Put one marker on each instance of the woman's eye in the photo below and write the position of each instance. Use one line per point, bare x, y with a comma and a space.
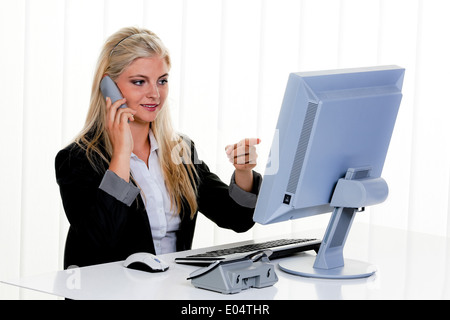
163, 81
138, 82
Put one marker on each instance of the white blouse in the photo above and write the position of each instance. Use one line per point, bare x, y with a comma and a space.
164, 222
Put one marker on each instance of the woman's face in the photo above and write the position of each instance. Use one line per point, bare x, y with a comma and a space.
144, 83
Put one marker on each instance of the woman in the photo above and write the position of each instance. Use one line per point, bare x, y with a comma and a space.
128, 182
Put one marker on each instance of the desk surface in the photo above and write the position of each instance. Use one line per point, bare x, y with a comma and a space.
410, 266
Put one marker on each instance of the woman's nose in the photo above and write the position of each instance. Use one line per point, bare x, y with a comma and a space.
153, 91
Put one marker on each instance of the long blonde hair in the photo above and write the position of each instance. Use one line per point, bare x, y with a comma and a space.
119, 51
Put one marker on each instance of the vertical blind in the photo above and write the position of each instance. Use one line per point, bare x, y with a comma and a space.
231, 61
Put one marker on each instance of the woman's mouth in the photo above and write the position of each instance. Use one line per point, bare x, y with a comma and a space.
150, 107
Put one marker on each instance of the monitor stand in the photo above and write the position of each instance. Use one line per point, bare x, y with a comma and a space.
361, 190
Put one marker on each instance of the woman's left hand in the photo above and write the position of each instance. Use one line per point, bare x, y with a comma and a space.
243, 156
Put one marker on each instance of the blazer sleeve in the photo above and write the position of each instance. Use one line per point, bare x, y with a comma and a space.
219, 203
244, 198
91, 211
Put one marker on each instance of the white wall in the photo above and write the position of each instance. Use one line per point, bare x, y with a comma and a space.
231, 60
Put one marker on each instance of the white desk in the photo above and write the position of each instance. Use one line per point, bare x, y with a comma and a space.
410, 266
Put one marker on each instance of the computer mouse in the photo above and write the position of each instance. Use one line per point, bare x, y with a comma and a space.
145, 261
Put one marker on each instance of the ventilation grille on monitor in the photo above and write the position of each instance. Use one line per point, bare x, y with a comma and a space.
302, 147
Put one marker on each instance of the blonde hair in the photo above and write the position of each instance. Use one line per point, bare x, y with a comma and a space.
119, 51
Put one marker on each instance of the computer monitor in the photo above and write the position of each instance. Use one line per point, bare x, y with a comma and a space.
327, 155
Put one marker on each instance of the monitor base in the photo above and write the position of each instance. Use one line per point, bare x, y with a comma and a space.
303, 265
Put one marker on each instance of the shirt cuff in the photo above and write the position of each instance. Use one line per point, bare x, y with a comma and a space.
244, 198
115, 186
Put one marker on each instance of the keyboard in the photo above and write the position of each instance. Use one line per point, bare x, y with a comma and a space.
280, 248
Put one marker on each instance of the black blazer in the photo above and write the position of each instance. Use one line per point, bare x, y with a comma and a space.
104, 229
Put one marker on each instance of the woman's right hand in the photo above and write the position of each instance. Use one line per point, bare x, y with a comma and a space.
118, 129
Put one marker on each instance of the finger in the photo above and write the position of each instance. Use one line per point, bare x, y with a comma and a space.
115, 105
124, 115
232, 147
119, 103
247, 158
111, 108
109, 114
108, 104
229, 148
242, 151
242, 159
243, 142
251, 141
